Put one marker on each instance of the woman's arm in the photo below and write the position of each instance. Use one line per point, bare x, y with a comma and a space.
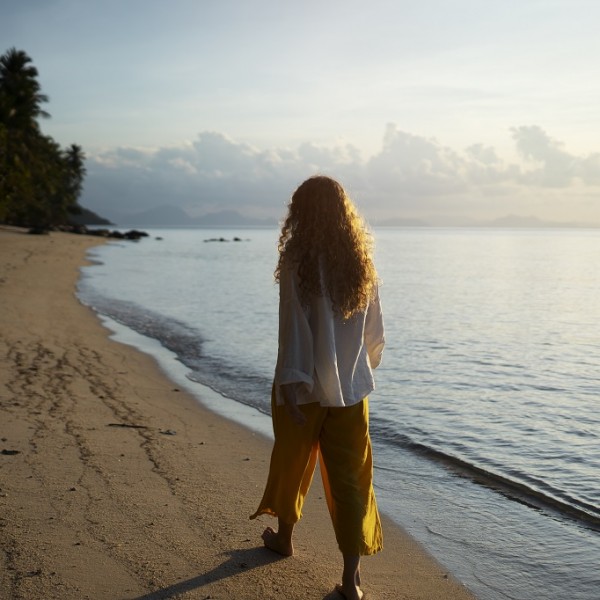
288, 391
295, 360
374, 332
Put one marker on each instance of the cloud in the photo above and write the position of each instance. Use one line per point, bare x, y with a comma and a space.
416, 165
588, 169
411, 175
552, 165
556, 167
214, 172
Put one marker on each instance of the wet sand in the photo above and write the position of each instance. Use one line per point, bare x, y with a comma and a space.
114, 484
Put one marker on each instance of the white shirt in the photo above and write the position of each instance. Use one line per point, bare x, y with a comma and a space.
331, 357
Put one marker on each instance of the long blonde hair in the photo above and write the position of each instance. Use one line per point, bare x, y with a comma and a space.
322, 227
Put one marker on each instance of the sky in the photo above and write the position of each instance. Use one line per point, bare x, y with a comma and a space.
440, 110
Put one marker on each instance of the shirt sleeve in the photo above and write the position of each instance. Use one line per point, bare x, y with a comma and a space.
295, 359
374, 331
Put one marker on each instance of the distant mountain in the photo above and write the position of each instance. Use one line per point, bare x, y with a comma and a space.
400, 222
428, 221
230, 218
509, 221
160, 216
529, 221
173, 216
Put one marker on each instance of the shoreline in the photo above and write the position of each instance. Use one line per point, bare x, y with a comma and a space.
115, 483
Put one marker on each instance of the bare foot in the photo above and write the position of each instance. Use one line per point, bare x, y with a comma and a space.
353, 593
273, 541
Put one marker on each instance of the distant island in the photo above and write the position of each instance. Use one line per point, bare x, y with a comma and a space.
508, 222
177, 217
174, 216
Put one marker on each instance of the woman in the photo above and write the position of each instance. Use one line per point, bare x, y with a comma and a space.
330, 338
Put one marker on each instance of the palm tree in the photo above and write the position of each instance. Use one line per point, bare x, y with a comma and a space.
4, 173
20, 107
20, 92
40, 183
75, 162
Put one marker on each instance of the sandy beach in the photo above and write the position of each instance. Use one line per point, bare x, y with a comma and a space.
116, 485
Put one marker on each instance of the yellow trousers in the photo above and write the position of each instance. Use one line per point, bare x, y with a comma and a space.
340, 438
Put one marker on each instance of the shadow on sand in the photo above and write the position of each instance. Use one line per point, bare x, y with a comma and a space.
236, 562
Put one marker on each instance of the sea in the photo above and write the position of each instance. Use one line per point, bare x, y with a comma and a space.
486, 418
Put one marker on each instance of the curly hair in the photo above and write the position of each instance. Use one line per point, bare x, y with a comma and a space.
323, 230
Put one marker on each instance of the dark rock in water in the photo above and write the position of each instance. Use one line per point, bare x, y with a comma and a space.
235, 239
96, 232
134, 234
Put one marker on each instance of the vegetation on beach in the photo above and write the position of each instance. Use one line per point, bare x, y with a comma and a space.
40, 182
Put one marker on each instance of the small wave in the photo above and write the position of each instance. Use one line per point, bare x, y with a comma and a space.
549, 501
178, 337
250, 390
227, 380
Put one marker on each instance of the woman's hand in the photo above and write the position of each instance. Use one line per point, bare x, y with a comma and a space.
289, 397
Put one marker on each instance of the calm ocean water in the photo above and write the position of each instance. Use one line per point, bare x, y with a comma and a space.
485, 421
